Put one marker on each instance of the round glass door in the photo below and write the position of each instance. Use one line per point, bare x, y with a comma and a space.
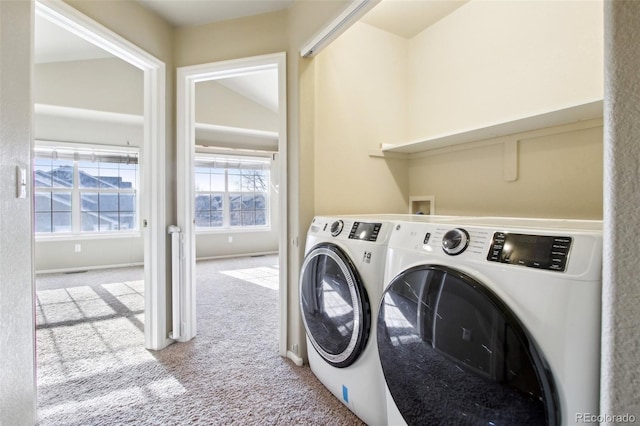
334, 304
453, 353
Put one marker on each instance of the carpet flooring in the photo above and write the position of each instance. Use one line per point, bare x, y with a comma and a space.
93, 368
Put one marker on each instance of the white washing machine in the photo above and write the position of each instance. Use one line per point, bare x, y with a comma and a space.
341, 284
492, 321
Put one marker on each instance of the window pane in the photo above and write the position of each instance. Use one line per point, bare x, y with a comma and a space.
216, 219
203, 218
52, 173
127, 221
262, 180
127, 202
203, 203
43, 202
217, 202
203, 182
109, 176
108, 202
62, 174
43, 222
248, 181
238, 194
261, 217
248, 219
89, 174
128, 173
235, 218
89, 201
61, 202
61, 222
217, 182
109, 221
235, 202
247, 202
90, 222
235, 182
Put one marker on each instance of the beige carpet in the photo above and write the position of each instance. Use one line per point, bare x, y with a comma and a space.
93, 369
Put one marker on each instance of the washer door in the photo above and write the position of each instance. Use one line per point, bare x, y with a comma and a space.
334, 304
453, 353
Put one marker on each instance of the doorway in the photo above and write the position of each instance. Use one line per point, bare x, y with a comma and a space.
151, 206
188, 152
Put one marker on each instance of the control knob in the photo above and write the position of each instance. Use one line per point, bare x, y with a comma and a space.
455, 241
336, 228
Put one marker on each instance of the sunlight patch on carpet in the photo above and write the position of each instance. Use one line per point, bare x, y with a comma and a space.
264, 276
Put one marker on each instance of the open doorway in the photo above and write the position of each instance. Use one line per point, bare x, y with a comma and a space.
137, 147
231, 172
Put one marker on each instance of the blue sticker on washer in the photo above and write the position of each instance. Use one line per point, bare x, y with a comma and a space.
345, 393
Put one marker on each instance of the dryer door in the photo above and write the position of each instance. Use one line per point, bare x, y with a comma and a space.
334, 304
453, 353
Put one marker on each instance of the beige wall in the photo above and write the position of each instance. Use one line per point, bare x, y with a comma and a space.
108, 84
217, 104
492, 61
559, 176
361, 100
461, 76
17, 305
233, 39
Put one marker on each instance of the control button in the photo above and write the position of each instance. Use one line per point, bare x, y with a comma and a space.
336, 228
455, 241
426, 238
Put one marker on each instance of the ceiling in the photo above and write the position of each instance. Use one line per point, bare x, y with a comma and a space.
187, 13
405, 18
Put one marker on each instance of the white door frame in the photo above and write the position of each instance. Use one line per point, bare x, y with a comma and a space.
187, 77
152, 189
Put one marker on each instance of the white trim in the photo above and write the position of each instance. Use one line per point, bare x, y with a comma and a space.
88, 268
187, 77
87, 236
233, 256
295, 358
352, 13
153, 205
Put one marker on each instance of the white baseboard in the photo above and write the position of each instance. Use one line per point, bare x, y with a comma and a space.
295, 358
87, 268
230, 256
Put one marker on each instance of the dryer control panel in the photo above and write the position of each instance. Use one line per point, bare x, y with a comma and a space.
365, 231
536, 251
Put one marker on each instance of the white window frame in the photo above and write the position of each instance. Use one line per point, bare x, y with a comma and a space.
226, 212
75, 190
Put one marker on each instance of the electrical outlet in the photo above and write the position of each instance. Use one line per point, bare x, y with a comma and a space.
294, 348
230, 239
78, 248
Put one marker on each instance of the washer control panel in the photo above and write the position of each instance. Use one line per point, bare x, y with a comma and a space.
455, 241
536, 251
365, 231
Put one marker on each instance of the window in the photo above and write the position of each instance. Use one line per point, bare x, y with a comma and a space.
84, 190
231, 192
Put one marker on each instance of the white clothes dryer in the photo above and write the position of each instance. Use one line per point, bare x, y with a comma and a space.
341, 283
492, 321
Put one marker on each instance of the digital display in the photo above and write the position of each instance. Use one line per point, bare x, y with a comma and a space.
365, 231
536, 251
530, 248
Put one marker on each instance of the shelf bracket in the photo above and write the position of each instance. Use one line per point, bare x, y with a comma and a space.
511, 160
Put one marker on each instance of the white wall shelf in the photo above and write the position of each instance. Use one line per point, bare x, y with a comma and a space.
582, 112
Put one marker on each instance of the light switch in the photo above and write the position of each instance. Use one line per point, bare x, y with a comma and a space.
21, 182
